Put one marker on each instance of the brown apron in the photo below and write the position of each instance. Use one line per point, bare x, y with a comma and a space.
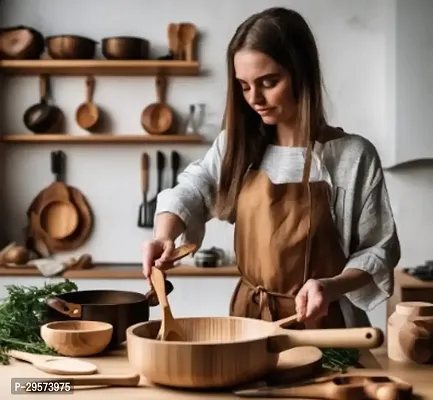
284, 235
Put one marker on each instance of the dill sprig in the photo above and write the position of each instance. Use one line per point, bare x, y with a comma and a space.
21, 315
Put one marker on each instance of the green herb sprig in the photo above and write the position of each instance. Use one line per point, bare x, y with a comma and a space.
22, 314
339, 360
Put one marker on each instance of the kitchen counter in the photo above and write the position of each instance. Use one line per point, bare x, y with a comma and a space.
116, 362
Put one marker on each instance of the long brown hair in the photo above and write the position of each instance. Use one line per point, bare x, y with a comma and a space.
285, 36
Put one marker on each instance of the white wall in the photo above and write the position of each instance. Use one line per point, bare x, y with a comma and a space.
356, 41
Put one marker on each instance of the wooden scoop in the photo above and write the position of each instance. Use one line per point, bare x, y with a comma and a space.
170, 329
55, 365
157, 118
87, 114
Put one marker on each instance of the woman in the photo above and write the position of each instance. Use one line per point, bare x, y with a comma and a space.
314, 230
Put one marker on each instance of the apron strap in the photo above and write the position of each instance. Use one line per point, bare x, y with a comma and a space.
265, 299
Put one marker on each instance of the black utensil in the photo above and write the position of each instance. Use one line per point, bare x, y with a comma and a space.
160, 165
175, 164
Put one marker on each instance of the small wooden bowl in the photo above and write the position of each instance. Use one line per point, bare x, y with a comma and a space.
77, 338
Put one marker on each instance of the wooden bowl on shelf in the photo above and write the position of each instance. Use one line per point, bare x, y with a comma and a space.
77, 338
70, 47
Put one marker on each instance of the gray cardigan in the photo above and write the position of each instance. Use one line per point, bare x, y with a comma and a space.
360, 206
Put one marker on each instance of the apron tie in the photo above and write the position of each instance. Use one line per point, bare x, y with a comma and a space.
265, 299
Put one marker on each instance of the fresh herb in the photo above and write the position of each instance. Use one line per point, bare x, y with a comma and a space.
22, 314
339, 360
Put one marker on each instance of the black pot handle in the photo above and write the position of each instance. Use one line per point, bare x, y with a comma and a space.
70, 309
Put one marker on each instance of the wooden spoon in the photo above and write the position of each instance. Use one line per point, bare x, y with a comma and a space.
188, 33
98, 380
54, 364
170, 329
87, 114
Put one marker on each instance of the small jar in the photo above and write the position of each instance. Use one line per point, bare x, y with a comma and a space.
405, 312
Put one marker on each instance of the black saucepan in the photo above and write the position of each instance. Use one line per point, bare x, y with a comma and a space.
119, 308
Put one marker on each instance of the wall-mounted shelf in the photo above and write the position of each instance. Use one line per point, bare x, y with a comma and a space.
100, 67
102, 138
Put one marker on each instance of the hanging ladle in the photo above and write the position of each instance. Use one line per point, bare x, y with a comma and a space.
87, 114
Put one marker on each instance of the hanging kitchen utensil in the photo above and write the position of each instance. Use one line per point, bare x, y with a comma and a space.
157, 118
175, 165
170, 329
87, 114
54, 364
58, 216
36, 235
42, 117
144, 217
338, 387
228, 351
160, 165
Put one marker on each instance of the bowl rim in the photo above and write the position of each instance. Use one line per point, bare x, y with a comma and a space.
99, 326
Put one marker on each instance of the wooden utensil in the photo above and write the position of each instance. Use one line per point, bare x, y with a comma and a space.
157, 118
87, 114
228, 351
170, 329
77, 338
98, 380
144, 217
338, 387
58, 216
173, 39
187, 34
54, 364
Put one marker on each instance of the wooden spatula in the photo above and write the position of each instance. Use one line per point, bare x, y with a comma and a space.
170, 329
54, 364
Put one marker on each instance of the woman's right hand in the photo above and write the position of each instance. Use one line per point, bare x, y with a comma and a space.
155, 253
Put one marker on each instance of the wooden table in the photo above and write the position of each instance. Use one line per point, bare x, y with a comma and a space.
116, 363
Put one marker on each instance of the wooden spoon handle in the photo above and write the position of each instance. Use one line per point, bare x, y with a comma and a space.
90, 88
157, 279
110, 380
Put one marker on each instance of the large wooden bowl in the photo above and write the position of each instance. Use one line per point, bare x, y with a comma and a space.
228, 351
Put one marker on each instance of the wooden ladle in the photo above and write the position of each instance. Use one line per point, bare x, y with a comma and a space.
87, 114
170, 329
157, 118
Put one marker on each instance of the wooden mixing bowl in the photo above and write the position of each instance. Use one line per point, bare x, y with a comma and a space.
228, 351
77, 338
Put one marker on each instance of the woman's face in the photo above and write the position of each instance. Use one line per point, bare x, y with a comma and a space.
266, 86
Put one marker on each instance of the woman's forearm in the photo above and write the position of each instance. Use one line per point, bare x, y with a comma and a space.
168, 226
349, 280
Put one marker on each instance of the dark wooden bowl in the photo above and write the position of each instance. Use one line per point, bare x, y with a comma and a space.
125, 48
71, 47
21, 43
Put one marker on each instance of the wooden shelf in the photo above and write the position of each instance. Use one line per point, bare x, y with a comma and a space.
100, 67
125, 271
102, 138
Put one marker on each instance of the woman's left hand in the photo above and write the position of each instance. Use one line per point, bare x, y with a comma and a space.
312, 301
